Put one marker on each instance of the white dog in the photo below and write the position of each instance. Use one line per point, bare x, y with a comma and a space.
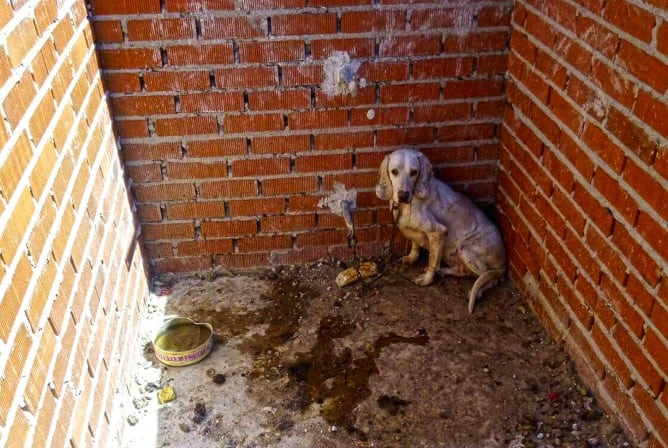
435, 217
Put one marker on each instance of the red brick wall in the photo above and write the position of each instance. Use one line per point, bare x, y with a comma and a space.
583, 189
71, 275
230, 139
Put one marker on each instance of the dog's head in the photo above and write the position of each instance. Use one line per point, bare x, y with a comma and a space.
403, 174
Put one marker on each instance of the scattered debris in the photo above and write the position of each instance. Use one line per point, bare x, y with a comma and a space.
132, 420
219, 378
166, 394
199, 413
351, 275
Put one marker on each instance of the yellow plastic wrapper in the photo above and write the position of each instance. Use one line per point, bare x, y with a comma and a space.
350, 275
166, 394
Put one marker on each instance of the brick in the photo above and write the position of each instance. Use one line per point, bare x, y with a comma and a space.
212, 102
256, 207
355, 47
410, 45
149, 213
101, 7
41, 295
453, 18
652, 111
38, 373
398, 70
641, 180
303, 74
18, 99
540, 29
600, 216
645, 369
492, 65
20, 40
443, 67
260, 167
130, 58
120, 82
246, 77
228, 189
404, 93
472, 88
271, 51
19, 430
11, 235
15, 165
164, 192
149, 172
465, 133
235, 228
195, 210
656, 348
168, 231
610, 188
253, 123
654, 233
317, 119
364, 96
264, 243
303, 24
186, 126
630, 18
632, 136
200, 55
291, 185
14, 367
374, 20
198, 5
442, 112
323, 162
243, 260
565, 112
386, 116
476, 42
217, 147
281, 144
206, 247
179, 81
151, 151
662, 38
108, 31
159, 29
406, 136
196, 170
279, 99
184, 264
287, 222
493, 16
354, 140
645, 67
233, 27
143, 105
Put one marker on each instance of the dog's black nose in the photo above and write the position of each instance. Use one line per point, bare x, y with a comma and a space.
403, 196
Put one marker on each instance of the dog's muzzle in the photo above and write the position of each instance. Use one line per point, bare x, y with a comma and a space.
403, 196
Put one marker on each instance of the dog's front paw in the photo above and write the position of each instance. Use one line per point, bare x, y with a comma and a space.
425, 279
408, 259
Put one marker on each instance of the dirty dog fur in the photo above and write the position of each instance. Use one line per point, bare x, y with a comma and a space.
435, 217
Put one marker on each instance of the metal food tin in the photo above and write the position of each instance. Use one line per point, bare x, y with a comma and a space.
180, 341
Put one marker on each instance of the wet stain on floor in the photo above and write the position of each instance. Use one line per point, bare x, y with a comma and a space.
302, 363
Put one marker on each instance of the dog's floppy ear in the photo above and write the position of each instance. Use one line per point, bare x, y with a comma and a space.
384, 187
424, 178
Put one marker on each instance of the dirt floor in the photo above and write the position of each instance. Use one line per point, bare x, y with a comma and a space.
300, 362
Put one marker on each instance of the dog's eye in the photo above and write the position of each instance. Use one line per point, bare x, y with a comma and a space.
413, 173
395, 172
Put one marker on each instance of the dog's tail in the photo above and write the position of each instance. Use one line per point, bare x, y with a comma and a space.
483, 283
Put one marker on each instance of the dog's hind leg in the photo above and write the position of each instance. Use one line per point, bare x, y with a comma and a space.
483, 283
